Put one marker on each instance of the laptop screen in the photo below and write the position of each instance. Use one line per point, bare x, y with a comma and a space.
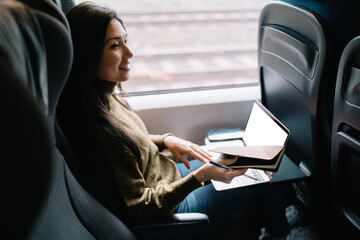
264, 129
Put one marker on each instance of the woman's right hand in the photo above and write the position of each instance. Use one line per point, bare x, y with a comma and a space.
211, 172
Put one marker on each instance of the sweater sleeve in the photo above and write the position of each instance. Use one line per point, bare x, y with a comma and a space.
144, 201
158, 140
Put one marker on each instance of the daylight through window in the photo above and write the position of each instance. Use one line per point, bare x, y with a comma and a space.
182, 45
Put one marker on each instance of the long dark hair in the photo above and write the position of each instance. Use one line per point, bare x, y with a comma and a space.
83, 109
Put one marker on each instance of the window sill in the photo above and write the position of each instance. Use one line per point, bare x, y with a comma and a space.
191, 98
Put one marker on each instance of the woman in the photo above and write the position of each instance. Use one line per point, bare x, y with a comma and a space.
106, 134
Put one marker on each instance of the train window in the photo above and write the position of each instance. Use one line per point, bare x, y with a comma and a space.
182, 46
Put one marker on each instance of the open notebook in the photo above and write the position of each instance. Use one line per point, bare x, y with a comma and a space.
262, 129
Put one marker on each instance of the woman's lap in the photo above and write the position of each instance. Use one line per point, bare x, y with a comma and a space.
212, 202
221, 205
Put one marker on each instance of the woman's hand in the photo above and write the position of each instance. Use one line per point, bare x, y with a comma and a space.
180, 147
210, 171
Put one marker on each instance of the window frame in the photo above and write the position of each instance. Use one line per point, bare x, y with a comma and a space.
193, 98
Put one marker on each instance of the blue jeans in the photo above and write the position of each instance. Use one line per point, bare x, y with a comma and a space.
223, 205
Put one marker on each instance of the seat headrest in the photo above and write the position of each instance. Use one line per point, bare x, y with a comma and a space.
22, 46
48, 7
36, 40
59, 52
27, 142
59, 56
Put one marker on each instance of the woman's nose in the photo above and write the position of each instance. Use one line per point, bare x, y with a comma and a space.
128, 52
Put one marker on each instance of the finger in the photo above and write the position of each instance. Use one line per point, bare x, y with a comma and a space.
201, 152
204, 153
203, 159
184, 160
196, 153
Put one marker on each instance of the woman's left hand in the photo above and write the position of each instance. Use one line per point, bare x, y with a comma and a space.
180, 147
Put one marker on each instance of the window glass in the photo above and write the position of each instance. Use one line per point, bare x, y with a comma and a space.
183, 45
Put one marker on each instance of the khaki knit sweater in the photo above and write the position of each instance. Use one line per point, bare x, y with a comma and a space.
151, 186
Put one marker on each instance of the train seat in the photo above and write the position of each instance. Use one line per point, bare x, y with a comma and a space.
346, 136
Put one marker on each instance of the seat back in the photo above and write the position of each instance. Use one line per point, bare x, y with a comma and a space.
26, 143
291, 55
346, 135
42, 199
102, 188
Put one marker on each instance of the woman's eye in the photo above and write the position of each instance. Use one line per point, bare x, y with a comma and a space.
126, 41
115, 46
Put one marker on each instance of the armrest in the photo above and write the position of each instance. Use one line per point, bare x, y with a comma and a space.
172, 222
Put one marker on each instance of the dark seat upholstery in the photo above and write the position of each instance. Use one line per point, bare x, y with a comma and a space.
26, 143
35, 166
346, 135
42, 198
293, 60
37, 203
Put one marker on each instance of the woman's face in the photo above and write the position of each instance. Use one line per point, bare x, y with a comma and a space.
115, 60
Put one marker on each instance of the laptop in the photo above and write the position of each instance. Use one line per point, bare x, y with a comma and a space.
262, 129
